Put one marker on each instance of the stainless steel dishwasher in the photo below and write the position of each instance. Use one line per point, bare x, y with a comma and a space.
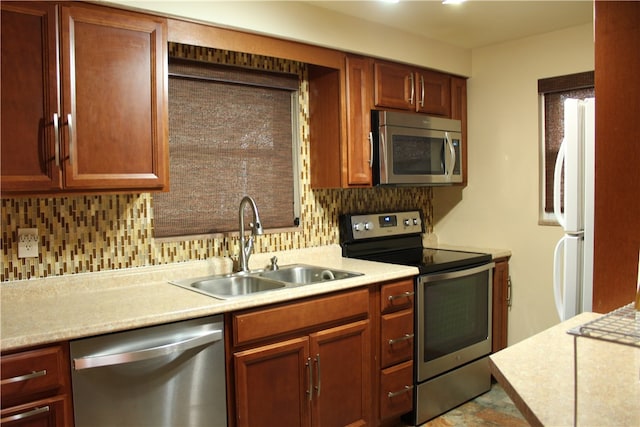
168, 375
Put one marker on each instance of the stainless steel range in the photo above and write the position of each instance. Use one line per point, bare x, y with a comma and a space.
452, 312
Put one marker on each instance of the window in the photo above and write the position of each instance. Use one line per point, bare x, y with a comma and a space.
552, 93
232, 132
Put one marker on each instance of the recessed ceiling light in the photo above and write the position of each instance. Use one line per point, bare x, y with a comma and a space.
390, 1
452, 1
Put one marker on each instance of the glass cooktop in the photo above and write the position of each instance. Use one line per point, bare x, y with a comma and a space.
428, 260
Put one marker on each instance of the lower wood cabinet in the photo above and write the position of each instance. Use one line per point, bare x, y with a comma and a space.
397, 395
36, 388
309, 364
316, 380
395, 367
501, 303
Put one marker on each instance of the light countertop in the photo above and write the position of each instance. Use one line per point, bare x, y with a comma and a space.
42, 311
538, 375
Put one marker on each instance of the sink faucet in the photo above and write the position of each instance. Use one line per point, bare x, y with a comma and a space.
246, 245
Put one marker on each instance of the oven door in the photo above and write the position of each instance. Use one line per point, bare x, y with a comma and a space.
418, 156
453, 312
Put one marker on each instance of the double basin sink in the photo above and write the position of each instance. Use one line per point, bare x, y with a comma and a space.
243, 284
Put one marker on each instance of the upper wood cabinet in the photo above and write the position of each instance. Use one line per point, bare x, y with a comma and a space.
412, 89
459, 112
358, 121
84, 99
340, 124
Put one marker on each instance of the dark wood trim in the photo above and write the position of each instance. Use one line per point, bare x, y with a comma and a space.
617, 177
567, 82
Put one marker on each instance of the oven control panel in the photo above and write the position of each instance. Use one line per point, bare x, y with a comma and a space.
387, 224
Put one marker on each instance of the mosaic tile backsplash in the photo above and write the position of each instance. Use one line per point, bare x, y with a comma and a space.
89, 233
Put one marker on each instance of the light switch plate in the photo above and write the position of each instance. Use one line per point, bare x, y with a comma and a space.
27, 242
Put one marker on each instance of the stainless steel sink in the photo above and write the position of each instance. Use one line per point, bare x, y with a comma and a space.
244, 284
225, 287
301, 274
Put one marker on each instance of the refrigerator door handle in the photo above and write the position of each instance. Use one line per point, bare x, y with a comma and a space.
557, 181
557, 277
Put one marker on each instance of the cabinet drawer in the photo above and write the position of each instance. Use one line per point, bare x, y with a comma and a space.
396, 388
397, 337
31, 373
396, 296
48, 412
256, 325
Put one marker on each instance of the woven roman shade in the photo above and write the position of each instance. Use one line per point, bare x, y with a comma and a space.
230, 135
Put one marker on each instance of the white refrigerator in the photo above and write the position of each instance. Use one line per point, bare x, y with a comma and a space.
573, 257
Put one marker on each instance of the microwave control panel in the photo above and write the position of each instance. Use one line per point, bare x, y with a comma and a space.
368, 226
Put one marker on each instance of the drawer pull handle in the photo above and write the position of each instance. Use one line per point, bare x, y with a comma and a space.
406, 389
32, 375
24, 415
402, 295
406, 337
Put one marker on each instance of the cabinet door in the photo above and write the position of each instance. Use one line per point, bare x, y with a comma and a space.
341, 375
29, 89
459, 112
114, 99
394, 86
500, 305
434, 95
358, 148
273, 385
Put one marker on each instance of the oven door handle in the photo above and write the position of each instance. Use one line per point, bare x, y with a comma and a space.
426, 278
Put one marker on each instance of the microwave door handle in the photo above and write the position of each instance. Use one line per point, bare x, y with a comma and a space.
452, 154
383, 157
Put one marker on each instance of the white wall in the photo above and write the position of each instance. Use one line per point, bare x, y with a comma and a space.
499, 207
302, 22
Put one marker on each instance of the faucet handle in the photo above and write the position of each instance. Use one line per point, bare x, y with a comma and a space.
274, 263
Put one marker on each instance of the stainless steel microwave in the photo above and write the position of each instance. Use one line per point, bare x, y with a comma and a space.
415, 149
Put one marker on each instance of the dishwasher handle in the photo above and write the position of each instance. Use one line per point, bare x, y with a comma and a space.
206, 337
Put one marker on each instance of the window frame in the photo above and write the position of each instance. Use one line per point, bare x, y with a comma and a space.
554, 85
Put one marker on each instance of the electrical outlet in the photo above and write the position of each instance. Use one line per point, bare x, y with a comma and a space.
27, 242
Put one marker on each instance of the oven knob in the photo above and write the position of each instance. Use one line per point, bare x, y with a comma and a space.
357, 226
368, 226
416, 221
406, 222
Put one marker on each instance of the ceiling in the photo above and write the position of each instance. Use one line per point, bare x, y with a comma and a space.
472, 24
